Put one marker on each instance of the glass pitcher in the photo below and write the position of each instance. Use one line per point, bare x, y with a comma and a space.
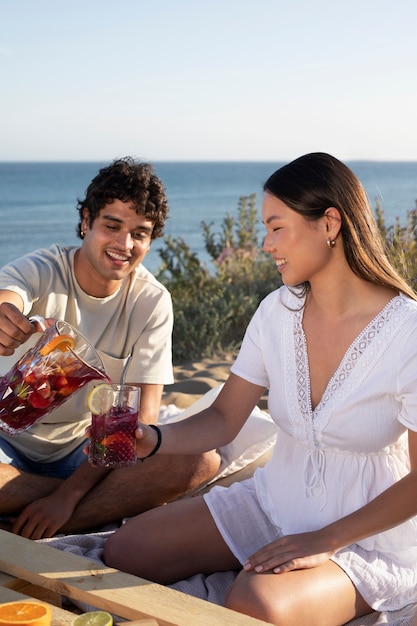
60, 363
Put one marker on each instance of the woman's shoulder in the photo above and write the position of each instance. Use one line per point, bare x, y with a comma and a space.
407, 301
291, 299
404, 305
405, 308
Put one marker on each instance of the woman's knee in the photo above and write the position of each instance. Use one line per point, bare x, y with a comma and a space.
160, 544
114, 549
125, 551
247, 595
109, 551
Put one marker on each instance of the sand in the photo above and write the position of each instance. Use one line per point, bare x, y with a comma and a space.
195, 378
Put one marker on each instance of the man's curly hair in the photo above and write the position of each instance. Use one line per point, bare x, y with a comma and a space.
129, 181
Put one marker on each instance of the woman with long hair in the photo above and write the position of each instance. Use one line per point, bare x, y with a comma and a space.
327, 530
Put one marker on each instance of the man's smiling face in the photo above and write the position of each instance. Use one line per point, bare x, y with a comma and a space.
116, 243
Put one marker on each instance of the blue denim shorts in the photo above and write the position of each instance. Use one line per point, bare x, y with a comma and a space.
56, 469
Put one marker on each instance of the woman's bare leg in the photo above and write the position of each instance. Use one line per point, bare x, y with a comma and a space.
170, 543
320, 596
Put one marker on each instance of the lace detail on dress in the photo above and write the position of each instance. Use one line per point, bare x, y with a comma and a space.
358, 361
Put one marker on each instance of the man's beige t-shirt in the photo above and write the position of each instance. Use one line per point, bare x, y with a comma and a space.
137, 319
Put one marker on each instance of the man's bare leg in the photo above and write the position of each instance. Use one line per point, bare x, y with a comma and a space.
18, 489
124, 492
128, 491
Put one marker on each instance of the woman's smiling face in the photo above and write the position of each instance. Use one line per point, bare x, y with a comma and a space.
297, 245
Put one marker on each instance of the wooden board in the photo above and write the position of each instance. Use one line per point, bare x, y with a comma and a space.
101, 587
60, 617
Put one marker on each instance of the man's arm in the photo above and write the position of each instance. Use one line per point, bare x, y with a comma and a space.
6, 295
150, 402
45, 516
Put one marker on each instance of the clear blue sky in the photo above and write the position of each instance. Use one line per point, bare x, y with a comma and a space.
207, 79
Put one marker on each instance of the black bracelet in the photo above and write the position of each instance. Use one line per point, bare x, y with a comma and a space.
158, 443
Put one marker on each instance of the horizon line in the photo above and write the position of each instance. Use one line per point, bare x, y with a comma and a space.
141, 159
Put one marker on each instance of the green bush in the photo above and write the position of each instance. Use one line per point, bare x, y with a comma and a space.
213, 306
401, 243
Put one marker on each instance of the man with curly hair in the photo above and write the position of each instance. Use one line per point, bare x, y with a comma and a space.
102, 288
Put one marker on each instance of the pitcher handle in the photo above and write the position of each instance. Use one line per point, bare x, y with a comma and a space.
39, 322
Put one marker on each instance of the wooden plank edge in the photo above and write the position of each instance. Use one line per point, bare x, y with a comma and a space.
60, 617
121, 594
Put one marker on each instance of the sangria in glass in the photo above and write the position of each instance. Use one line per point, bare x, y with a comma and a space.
114, 419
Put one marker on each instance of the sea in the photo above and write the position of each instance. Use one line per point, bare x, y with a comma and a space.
38, 200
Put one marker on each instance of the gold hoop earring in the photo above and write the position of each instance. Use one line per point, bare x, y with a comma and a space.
331, 242
82, 234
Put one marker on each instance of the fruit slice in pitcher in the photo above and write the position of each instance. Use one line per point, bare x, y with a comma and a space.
61, 342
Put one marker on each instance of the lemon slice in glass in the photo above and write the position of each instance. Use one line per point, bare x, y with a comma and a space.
93, 618
100, 399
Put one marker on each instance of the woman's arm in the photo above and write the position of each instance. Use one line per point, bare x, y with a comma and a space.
392, 507
212, 428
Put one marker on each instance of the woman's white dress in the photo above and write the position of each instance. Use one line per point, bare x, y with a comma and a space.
332, 460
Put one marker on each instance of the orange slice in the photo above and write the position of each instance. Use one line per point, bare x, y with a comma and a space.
25, 614
61, 342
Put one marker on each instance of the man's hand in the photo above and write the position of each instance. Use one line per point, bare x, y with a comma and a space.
15, 328
43, 518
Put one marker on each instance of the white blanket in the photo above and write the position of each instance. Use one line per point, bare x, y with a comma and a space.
211, 588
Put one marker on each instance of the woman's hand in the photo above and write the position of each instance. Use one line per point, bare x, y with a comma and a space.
291, 552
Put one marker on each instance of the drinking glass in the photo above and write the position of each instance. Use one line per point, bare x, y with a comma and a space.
112, 432
60, 363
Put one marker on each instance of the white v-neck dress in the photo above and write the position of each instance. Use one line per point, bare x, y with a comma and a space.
334, 459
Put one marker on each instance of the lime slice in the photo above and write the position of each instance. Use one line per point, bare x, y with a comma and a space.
100, 399
94, 618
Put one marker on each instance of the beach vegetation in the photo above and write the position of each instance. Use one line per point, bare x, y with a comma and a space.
213, 303
401, 243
